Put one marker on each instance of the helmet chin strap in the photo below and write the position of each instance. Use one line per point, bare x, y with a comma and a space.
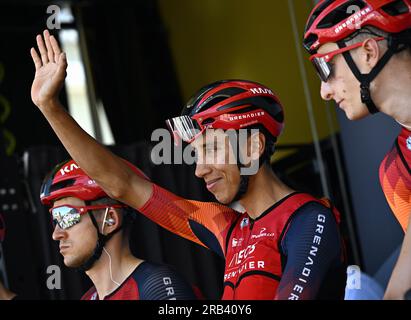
243, 186
101, 242
244, 179
365, 79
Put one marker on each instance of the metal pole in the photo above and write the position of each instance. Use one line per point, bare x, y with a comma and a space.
89, 75
308, 101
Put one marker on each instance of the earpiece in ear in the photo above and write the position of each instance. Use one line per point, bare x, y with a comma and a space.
109, 222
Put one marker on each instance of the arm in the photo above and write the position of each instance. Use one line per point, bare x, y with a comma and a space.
177, 215
303, 234
400, 281
108, 170
205, 223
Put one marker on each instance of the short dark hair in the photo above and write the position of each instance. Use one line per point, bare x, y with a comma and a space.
269, 147
128, 213
368, 32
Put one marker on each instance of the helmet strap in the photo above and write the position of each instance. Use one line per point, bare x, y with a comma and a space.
98, 250
244, 179
396, 43
365, 79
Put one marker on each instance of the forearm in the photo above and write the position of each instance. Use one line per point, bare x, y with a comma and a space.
107, 169
400, 281
117, 179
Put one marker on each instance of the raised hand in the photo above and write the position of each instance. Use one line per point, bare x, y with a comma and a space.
50, 73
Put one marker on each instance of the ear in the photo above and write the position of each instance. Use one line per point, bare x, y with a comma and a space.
256, 145
112, 221
370, 54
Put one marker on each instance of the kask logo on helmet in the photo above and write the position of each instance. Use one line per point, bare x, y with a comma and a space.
261, 91
68, 168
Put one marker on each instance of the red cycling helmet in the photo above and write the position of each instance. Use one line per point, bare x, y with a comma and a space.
229, 104
335, 20
67, 179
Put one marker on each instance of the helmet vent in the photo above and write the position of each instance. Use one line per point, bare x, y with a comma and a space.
207, 121
62, 185
317, 12
339, 14
308, 42
265, 103
396, 8
244, 110
220, 96
212, 102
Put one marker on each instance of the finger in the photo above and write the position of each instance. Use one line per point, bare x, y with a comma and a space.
42, 49
62, 59
60, 75
62, 65
36, 58
50, 52
56, 48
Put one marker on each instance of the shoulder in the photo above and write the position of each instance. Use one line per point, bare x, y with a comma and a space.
313, 207
312, 224
149, 267
309, 217
313, 212
300, 203
161, 282
149, 273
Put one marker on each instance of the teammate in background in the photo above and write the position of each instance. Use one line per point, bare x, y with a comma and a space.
93, 232
364, 62
285, 246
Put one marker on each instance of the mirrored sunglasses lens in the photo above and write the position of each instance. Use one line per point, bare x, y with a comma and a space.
65, 217
184, 127
323, 68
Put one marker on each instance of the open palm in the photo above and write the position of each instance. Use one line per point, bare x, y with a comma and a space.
50, 67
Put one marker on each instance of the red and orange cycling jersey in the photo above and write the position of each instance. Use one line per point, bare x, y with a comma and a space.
253, 248
395, 178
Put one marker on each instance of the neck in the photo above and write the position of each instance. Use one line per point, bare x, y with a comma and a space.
394, 93
264, 190
123, 264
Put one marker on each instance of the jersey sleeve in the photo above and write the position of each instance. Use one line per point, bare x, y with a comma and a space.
205, 223
313, 249
163, 283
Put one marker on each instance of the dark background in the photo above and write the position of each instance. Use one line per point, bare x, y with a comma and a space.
135, 78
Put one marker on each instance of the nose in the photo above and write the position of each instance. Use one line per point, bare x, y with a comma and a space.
202, 170
58, 233
326, 91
